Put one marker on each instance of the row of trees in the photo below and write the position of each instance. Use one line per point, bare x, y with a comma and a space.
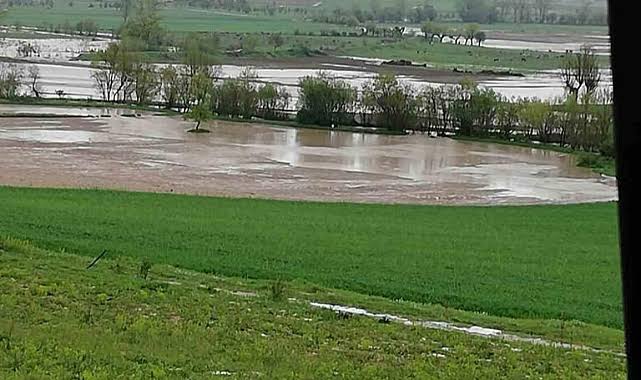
121, 75
583, 122
13, 80
468, 33
479, 11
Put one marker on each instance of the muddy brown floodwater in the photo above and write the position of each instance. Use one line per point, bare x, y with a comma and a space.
154, 153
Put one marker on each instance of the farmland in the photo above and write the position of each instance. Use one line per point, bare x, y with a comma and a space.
471, 258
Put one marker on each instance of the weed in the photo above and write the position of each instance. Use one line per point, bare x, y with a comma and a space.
277, 290
145, 267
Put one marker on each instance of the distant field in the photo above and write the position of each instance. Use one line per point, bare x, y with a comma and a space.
196, 19
445, 55
526, 262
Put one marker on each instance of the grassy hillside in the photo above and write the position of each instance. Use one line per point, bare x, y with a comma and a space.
122, 319
542, 261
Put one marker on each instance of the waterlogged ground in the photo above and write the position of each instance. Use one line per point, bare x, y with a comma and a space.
155, 153
75, 79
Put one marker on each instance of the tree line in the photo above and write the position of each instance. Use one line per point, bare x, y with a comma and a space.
468, 33
581, 120
471, 11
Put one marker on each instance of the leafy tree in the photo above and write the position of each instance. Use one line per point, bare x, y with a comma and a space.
325, 100
391, 101
507, 117
402, 9
201, 87
537, 117
200, 53
542, 8
144, 25
432, 30
11, 77
483, 106
271, 100
427, 30
199, 113
126, 8
249, 43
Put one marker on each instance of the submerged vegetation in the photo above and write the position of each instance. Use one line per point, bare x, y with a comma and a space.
582, 121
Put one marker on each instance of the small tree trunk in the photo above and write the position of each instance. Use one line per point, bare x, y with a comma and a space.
197, 124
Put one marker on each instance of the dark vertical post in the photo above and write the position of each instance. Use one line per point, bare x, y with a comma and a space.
623, 20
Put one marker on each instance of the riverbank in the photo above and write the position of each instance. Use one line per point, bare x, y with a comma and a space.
78, 103
598, 163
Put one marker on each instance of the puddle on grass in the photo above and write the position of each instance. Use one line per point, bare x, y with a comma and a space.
470, 330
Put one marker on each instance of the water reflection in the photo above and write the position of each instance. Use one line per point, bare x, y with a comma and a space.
242, 158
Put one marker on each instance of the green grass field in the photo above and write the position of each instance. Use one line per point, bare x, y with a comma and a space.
173, 19
416, 49
184, 19
527, 262
59, 320
447, 55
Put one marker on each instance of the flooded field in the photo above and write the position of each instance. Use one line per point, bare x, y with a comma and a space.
76, 80
154, 153
60, 49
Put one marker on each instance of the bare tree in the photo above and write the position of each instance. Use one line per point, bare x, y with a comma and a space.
34, 78
542, 8
591, 69
581, 70
113, 73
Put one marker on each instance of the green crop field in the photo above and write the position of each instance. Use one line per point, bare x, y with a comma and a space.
416, 49
184, 19
173, 19
527, 262
124, 319
447, 54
